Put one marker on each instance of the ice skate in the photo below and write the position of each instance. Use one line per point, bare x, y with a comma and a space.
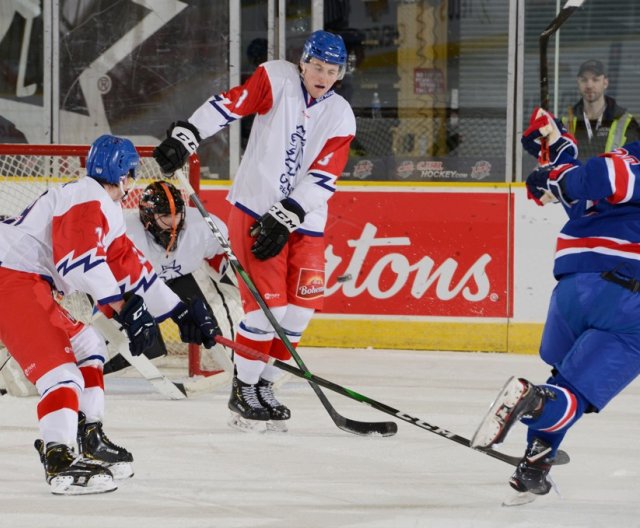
69, 474
247, 413
531, 478
94, 445
517, 399
278, 413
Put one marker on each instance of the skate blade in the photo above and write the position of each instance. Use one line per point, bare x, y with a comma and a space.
491, 426
121, 470
64, 485
246, 426
276, 426
519, 498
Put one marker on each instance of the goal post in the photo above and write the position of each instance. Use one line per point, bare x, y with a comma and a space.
26, 171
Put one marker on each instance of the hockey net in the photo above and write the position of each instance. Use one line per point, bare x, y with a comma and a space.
26, 171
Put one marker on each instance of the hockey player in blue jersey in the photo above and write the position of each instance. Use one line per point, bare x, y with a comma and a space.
591, 337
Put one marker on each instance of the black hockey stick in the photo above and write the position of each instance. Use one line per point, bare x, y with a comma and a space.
543, 41
346, 424
561, 457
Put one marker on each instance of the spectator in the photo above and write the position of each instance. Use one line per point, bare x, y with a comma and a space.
596, 120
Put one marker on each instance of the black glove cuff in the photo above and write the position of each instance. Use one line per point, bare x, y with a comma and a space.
188, 126
291, 205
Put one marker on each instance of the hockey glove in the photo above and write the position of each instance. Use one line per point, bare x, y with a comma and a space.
563, 147
196, 323
274, 227
182, 140
139, 324
549, 180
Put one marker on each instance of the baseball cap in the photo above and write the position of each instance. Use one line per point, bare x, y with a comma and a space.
592, 65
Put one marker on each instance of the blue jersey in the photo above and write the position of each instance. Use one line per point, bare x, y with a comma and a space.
592, 332
603, 230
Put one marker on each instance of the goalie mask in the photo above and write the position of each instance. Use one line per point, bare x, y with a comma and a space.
162, 213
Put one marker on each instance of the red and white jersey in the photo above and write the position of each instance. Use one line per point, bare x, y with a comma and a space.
298, 146
74, 236
194, 244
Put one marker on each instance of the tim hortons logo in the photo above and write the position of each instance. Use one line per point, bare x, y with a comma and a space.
310, 284
474, 285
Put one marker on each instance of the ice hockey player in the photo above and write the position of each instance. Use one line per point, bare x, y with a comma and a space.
177, 242
591, 337
72, 238
298, 147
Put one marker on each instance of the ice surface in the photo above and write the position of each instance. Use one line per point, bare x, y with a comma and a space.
193, 471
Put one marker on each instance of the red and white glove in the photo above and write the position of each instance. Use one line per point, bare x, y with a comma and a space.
543, 126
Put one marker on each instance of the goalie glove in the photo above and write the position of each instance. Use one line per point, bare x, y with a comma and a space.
196, 323
563, 147
139, 324
182, 140
274, 227
546, 180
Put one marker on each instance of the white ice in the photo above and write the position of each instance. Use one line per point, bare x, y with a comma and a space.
193, 471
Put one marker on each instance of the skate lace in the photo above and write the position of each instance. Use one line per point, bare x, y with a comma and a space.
266, 393
105, 438
250, 396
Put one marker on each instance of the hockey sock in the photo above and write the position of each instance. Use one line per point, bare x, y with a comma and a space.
278, 348
562, 408
58, 415
91, 400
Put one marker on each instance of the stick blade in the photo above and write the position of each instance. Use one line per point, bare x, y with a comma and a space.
364, 428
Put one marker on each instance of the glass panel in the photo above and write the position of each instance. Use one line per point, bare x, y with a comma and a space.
22, 119
133, 70
428, 84
598, 32
254, 43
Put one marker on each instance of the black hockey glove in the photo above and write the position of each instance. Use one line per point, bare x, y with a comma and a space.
182, 141
139, 324
274, 227
196, 323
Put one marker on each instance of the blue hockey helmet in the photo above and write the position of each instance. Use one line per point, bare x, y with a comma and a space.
326, 47
110, 158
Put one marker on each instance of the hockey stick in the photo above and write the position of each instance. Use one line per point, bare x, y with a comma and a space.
561, 458
543, 42
166, 387
346, 424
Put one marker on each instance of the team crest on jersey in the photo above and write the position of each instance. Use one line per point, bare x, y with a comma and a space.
310, 284
171, 271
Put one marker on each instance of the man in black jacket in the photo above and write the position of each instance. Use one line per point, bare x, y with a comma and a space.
596, 120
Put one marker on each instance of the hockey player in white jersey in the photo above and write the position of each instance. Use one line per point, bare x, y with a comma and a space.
177, 242
72, 238
298, 148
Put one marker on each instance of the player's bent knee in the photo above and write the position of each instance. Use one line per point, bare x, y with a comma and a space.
89, 346
258, 320
67, 374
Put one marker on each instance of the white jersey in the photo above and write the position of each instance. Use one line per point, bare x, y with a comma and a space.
194, 244
74, 236
298, 146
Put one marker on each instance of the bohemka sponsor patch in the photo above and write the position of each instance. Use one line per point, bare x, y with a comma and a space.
310, 284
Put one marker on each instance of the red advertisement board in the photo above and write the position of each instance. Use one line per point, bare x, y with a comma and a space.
416, 253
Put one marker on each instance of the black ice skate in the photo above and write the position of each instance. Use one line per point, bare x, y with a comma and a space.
278, 412
247, 413
94, 445
517, 399
69, 474
531, 477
